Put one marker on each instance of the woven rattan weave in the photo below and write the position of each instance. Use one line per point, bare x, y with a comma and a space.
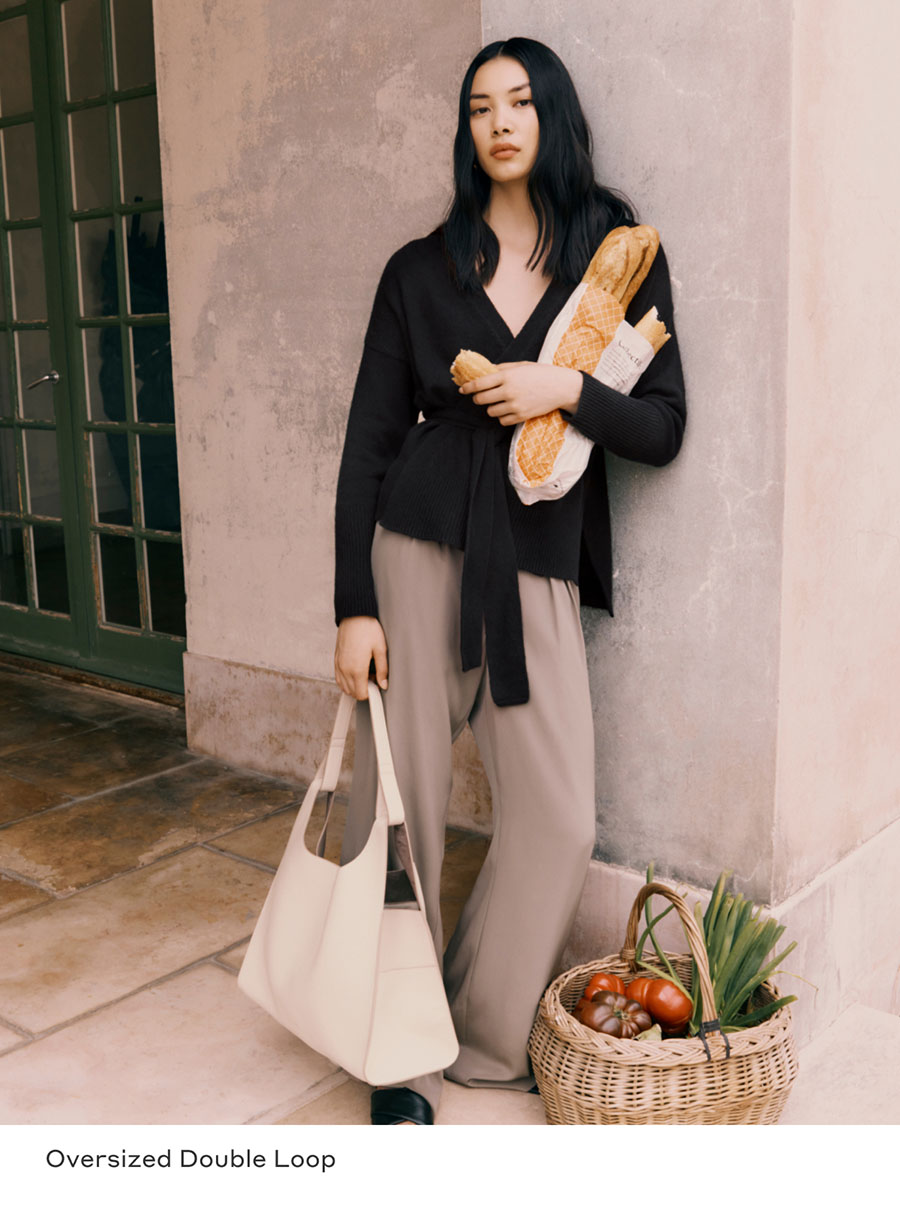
588, 1078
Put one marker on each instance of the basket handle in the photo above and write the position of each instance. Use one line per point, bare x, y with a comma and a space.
696, 943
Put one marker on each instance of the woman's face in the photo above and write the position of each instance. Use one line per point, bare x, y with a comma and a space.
501, 113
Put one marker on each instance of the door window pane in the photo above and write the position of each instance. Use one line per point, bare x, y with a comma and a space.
147, 284
132, 22
34, 361
42, 472
9, 491
165, 571
103, 372
152, 357
15, 67
97, 282
139, 149
112, 477
50, 568
6, 386
20, 179
118, 578
26, 258
83, 49
89, 149
12, 564
159, 481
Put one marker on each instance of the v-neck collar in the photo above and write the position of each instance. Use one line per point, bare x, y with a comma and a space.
499, 324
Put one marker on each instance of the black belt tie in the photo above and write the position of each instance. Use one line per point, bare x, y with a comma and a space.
490, 577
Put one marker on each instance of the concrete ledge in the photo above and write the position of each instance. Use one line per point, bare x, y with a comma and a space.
279, 722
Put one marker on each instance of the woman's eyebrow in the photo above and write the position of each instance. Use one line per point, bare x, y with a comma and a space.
484, 96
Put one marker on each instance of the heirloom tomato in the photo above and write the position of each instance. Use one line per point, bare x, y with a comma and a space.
669, 1006
604, 982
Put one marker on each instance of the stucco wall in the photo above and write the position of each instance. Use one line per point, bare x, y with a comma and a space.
300, 144
839, 762
689, 106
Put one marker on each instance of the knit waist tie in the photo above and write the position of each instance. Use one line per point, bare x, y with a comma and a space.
490, 576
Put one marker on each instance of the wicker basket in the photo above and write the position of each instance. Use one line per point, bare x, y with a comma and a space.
588, 1078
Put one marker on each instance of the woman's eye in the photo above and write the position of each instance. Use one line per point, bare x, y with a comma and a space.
524, 101
475, 112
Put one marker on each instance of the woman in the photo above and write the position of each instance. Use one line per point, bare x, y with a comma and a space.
464, 600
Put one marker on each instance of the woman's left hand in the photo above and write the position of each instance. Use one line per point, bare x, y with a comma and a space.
520, 390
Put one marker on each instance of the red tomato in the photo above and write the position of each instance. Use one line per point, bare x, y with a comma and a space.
604, 982
669, 1006
638, 990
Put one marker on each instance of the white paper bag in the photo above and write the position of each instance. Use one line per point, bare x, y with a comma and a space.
623, 361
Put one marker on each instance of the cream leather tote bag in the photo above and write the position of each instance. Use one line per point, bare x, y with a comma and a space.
353, 975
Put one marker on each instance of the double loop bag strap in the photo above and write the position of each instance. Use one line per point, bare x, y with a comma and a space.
330, 770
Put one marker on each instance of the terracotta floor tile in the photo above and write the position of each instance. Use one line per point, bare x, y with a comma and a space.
128, 827
99, 758
191, 1050
16, 896
19, 798
77, 953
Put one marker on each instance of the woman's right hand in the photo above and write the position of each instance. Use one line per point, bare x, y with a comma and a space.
359, 641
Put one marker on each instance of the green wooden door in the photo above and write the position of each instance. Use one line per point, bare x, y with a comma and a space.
91, 569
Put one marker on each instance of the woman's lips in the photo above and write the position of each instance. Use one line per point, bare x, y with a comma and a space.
505, 153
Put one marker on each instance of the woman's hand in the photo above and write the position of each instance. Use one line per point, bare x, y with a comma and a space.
520, 390
359, 641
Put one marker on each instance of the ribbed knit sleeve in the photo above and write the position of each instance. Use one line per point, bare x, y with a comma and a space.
381, 414
647, 425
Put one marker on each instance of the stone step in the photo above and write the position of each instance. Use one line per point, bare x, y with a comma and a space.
850, 1073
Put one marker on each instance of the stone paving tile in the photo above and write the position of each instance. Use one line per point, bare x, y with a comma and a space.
849, 1074
461, 866
488, 1106
50, 694
9, 1038
128, 827
99, 758
23, 728
266, 840
191, 1050
234, 957
17, 896
18, 798
75, 954
348, 1104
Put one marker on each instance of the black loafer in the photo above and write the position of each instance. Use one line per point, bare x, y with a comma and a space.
391, 1105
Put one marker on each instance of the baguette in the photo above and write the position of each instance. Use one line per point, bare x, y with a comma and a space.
616, 272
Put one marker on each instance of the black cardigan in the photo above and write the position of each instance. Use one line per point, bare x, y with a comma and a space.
445, 478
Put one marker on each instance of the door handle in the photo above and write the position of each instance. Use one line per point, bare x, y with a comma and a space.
53, 377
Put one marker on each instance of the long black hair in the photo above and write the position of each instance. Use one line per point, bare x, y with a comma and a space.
573, 211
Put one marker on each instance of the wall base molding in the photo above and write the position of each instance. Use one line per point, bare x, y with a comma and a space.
279, 722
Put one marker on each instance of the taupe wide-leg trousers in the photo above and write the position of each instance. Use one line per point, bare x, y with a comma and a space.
539, 758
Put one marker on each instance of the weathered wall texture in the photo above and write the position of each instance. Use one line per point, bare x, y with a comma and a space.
689, 105
838, 775
301, 144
